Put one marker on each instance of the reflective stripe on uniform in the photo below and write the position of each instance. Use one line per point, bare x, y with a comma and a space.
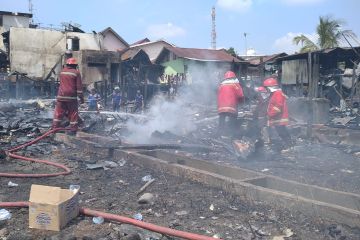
68, 73
279, 121
227, 108
56, 120
73, 123
277, 109
65, 97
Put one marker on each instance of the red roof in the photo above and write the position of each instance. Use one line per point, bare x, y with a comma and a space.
203, 54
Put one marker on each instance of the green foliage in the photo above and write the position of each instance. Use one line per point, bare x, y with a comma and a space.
232, 51
330, 35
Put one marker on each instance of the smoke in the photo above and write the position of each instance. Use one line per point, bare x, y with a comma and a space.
177, 115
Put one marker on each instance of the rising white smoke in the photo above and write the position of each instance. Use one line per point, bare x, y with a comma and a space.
177, 116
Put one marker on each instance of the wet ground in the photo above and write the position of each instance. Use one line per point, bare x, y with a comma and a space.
308, 162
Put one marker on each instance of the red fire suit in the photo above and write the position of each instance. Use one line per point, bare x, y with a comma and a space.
66, 103
277, 111
230, 94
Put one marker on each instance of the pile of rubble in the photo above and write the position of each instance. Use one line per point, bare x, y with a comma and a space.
21, 121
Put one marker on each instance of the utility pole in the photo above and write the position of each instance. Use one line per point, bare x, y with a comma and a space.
245, 35
213, 31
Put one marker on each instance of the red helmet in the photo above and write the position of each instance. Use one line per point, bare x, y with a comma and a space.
71, 61
229, 74
261, 89
270, 82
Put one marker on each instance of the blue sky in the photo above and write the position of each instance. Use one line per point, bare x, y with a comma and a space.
270, 24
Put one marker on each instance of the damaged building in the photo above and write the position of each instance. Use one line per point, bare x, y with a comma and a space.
263, 66
329, 73
36, 57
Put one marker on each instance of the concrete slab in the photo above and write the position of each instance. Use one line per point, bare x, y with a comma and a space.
250, 186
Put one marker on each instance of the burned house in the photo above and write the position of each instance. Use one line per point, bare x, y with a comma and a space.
203, 68
36, 57
152, 48
192, 63
261, 67
326, 73
319, 80
139, 73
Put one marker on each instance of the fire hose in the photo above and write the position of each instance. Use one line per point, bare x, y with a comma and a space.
11, 153
86, 211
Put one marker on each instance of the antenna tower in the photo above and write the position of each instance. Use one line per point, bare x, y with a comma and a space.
31, 10
213, 29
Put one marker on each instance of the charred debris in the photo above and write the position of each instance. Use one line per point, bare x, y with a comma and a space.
322, 85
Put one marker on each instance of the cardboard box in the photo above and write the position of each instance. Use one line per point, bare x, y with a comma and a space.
51, 208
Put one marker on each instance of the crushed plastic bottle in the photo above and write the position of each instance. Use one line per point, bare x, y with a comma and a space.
146, 178
138, 216
122, 162
12, 184
4, 214
74, 188
98, 220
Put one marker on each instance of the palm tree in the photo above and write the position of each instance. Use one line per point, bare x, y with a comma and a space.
329, 35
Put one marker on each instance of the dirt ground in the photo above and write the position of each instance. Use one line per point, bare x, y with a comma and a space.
178, 204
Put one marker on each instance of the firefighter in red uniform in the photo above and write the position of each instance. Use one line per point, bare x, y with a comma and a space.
260, 114
69, 90
230, 94
277, 111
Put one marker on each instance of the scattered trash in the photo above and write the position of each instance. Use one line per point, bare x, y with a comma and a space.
212, 207
94, 166
346, 171
123, 182
90, 200
4, 214
11, 184
234, 208
110, 164
146, 198
122, 162
146, 178
343, 121
216, 236
265, 170
243, 148
181, 213
286, 233
98, 220
138, 216
146, 185
74, 188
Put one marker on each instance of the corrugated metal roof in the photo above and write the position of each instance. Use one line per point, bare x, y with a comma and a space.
256, 60
203, 54
325, 51
29, 15
131, 54
150, 43
144, 40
